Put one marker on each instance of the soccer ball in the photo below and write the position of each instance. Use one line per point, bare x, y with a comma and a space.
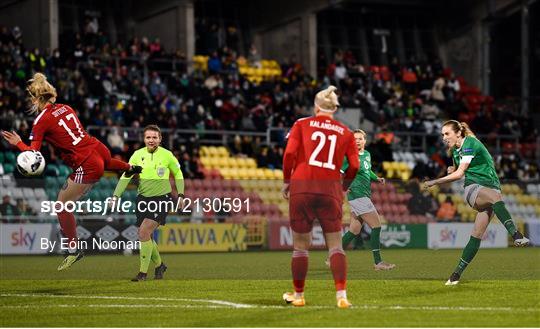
31, 163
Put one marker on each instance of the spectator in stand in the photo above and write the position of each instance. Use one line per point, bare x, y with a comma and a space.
254, 56
447, 210
24, 209
410, 81
453, 87
437, 94
6, 208
115, 141
214, 63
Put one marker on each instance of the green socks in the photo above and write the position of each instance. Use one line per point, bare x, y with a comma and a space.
156, 258
504, 216
375, 243
468, 254
347, 238
145, 255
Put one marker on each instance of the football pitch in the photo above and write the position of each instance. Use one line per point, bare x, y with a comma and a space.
500, 288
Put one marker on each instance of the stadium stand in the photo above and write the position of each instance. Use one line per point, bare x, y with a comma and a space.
116, 86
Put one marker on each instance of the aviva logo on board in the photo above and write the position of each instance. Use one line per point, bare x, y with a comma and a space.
201, 237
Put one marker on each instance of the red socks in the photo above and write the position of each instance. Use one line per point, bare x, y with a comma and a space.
117, 165
69, 226
299, 267
338, 264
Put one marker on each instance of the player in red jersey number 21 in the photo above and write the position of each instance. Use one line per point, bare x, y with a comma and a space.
59, 125
312, 161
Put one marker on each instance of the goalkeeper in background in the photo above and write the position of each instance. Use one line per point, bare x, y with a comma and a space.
154, 191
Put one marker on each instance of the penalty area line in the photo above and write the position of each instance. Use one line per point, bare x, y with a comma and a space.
216, 304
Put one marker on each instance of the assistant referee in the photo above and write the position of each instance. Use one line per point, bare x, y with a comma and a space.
154, 191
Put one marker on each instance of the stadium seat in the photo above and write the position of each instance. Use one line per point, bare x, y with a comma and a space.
10, 157
9, 168
63, 171
28, 193
52, 170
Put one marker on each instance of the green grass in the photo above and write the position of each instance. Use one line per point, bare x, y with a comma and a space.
500, 288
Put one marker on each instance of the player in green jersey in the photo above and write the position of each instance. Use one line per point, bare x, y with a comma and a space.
363, 210
482, 188
154, 198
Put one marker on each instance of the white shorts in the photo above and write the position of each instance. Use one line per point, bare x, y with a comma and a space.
362, 206
471, 193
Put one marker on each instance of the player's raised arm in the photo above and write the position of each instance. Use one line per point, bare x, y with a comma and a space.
123, 182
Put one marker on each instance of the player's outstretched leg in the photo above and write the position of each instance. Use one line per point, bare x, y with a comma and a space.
506, 219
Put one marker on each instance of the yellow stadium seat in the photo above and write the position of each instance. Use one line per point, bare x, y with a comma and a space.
222, 151
241, 163
247, 185
405, 175
211, 151
225, 172
232, 162
220, 162
441, 197
251, 163
278, 174
402, 166
204, 151
456, 198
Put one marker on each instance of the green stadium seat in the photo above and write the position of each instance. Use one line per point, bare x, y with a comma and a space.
52, 194
113, 181
60, 181
2, 157
10, 157
63, 171
52, 170
9, 168
102, 183
105, 193
94, 194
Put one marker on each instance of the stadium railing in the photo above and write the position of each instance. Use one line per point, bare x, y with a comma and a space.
204, 137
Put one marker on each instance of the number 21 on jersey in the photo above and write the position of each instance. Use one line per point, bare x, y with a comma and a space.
328, 164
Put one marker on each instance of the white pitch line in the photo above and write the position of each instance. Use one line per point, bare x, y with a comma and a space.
225, 304
111, 306
210, 301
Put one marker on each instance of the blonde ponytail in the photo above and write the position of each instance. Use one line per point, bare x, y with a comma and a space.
40, 91
327, 100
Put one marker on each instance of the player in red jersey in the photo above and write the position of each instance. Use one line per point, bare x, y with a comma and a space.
59, 125
312, 161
